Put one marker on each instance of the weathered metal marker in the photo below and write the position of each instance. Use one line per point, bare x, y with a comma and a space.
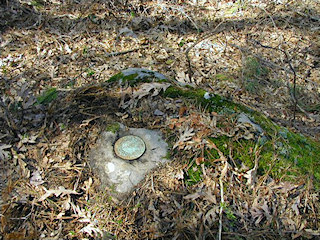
129, 147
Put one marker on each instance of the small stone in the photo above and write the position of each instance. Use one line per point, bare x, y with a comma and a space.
243, 118
207, 95
157, 112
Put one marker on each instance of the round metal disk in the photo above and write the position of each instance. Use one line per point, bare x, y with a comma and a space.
129, 147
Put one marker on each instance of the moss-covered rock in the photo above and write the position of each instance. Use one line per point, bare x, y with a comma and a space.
280, 153
133, 76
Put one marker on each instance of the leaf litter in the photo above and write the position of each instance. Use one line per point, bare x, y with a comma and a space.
47, 49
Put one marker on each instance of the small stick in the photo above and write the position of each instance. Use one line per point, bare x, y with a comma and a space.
114, 54
294, 96
223, 173
12, 126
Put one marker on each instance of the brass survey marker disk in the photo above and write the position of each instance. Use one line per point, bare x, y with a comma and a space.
129, 147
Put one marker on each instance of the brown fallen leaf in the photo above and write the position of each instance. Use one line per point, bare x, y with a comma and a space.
182, 111
193, 196
185, 136
16, 235
60, 191
199, 160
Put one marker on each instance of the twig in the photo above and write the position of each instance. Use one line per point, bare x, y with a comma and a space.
274, 24
152, 187
223, 173
266, 62
12, 126
308, 15
294, 96
181, 10
114, 54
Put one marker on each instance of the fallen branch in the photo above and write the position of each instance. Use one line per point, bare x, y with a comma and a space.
114, 54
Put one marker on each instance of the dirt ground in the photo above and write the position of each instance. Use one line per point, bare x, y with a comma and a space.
55, 57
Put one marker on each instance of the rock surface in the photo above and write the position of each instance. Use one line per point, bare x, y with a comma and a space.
122, 175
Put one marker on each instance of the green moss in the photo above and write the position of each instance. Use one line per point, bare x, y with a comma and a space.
48, 96
113, 127
135, 76
289, 158
241, 150
268, 125
130, 79
298, 154
168, 155
312, 107
253, 71
282, 154
214, 103
115, 78
194, 175
222, 78
304, 153
176, 92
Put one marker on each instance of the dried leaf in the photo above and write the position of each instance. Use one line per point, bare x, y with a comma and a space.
211, 216
180, 175
224, 170
25, 172
193, 196
256, 214
313, 232
153, 88
60, 215
265, 208
199, 160
4, 155
92, 230
60, 191
127, 32
66, 204
157, 112
16, 235
183, 78
295, 205
210, 197
251, 175
185, 136
182, 111
36, 179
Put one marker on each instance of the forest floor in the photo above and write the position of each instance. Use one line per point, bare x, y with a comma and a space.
262, 54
